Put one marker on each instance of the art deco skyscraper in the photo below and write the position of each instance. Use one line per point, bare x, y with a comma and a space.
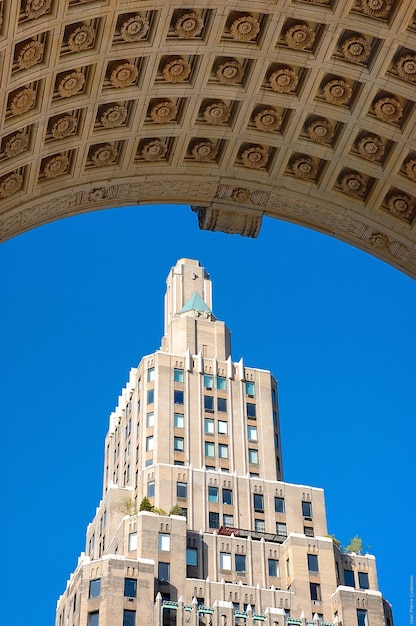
196, 437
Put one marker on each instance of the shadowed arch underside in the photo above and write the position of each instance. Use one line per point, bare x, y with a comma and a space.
303, 110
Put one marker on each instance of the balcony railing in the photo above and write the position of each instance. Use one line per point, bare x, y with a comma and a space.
253, 534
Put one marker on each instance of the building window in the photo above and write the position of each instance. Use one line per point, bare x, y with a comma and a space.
164, 542
222, 404
149, 462
150, 374
178, 396
192, 556
132, 541
307, 510
362, 617
279, 505
251, 410
214, 519
259, 525
349, 580
273, 567
258, 502
212, 494
252, 433
150, 442
281, 529
130, 587
308, 531
209, 449
313, 563
209, 403
223, 451
129, 617
178, 375
163, 571
209, 426
228, 520
95, 587
178, 420
275, 418
150, 396
253, 456
150, 419
315, 589
363, 580
93, 618
178, 443
181, 490
225, 561
221, 383
240, 563
227, 496
222, 427
150, 488
208, 381
250, 389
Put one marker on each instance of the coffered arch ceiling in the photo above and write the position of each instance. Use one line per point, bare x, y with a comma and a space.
304, 110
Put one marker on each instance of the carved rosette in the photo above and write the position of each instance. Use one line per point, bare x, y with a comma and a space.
380, 241
204, 151
10, 184
230, 73
114, 115
36, 8
353, 184
189, 25
305, 167
100, 193
123, 74
64, 126
22, 101
356, 49
371, 147
376, 8
400, 204
337, 91
217, 113
284, 80
30, 54
104, 155
81, 38
410, 169
388, 109
163, 112
406, 67
268, 120
255, 157
16, 144
55, 166
321, 131
134, 28
176, 71
71, 84
300, 36
241, 194
154, 150
245, 28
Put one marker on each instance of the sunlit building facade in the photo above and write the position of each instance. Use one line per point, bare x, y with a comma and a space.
221, 539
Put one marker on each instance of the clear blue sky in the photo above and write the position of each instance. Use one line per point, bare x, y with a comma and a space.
82, 301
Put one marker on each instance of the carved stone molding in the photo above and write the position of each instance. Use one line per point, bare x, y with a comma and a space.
406, 67
353, 184
388, 109
64, 126
10, 184
104, 155
154, 150
371, 147
22, 101
204, 151
380, 241
268, 120
242, 195
255, 157
229, 221
176, 70
217, 113
410, 169
337, 91
305, 167
16, 144
36, 8
321, 131
189, 25
29, 54
230, 73
55, 166
123, 74
400, 204
134, 28
376, 8
113, 116
300, 36
284, 80
245, 28
81, 38
356, 49
71, 84
163, 112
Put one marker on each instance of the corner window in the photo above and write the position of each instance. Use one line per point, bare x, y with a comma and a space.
315, 589
313, 563
221, 383
208, 381
228, 520
225, 561
181, 490
258, 502
349, 580
151, 489
222, 427
130, 587
240, 562
163, 571
150, 442
279, 505
178, 444
178, 420
252, 433
209, 449
164, 542
307, 510
150, 374
212, 494
93, 618
281, 529
150, 419
222, 404
273, 567
209, 426
178, 396
192, 556
250, 389
251, 410
132, 541
223, 451
363, 580
227, 496
150, 396
209, 403
129, 617
214, 519
95, 587
253, 456
178, 375
362, 617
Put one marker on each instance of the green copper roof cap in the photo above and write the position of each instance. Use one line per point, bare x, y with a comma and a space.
195, 303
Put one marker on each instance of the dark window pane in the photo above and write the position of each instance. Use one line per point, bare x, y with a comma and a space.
129, 618
363, 580
251, 409
191, 556
308, 530
240, 562
273, 567
349, 578
130, 587
181, 490
258, 502
279, 505
315, 591
362, 617
214, 520
95, 586
222, 404
208, 403
227, 496
178, 396
163, 572
307, 509
313, 563
212, 494
150, 396
93, 618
